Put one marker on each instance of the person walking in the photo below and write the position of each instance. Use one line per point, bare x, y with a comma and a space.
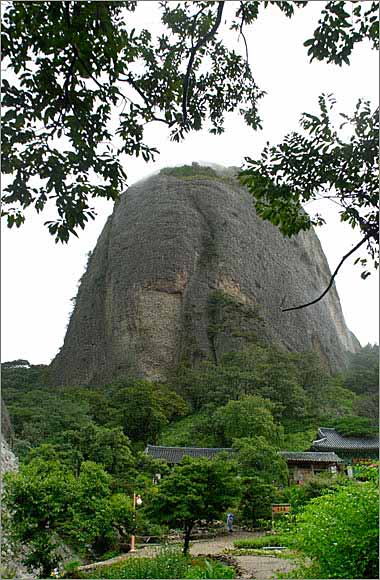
230, 521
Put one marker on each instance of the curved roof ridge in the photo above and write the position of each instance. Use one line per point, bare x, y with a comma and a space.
186, 447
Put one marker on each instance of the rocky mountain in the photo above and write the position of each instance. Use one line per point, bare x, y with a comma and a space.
184, 269
6, 425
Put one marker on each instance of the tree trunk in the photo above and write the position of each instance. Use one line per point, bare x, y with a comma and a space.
186, 536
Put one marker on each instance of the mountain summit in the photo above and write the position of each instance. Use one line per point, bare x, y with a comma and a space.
183, 270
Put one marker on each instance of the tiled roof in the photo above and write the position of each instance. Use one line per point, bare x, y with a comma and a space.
330, 439
311, 456
175, 454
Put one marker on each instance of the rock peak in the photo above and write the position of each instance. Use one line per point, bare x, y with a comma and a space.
183, 270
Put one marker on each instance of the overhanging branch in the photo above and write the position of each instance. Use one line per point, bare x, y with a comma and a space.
201, 42
363, 241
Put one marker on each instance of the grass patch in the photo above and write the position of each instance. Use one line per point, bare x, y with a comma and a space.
261, 542
284, 554
303, 572
199, 171
194, 170
168, 563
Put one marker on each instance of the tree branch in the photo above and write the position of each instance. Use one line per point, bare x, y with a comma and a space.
133, 84
365, 239
201, 42
241, 33
194, 23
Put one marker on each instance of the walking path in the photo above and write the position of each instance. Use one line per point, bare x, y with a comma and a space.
251, 567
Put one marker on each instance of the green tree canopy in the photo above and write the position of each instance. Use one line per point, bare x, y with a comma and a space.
143, 408
362, 375
196, 489
258, 458
37, 497
322, 162
354, 426
49, 505
269, 372
256, 500
81, 64
339, 532
250, 416
108, 447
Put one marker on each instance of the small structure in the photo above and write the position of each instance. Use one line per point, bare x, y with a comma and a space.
303, 465
351, 449
174, 455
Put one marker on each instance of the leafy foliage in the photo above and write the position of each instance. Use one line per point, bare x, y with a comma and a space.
261, 542
196, 429
97, 518
362, 378
300, 495
108, 447
322, 162
362, 375
86, 424
79, 460
195, 489
77, 64
250, 416
20, 373
339, 532
338, 31
47, 502
82, 65
355, 426
269, 372
257, 498
257, 458
144, 408
35, 498
193, 170
168, 563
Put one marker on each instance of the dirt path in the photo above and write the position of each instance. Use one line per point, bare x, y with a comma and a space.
251, 567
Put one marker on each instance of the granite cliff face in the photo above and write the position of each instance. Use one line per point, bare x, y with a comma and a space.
184, 269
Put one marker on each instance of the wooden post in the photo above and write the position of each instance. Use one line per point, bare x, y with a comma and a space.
133, 549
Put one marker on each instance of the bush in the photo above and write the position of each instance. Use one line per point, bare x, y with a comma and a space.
47, 504
255, 505
264, 523
300, 495
261, 542
194, 170
70, 569
169, 563
210, 569
339, 532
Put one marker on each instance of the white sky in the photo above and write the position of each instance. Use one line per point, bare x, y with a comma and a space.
39, 277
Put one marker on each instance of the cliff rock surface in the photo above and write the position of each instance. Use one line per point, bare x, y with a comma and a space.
184, 269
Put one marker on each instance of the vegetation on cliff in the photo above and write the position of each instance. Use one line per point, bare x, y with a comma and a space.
81, 448
291, 393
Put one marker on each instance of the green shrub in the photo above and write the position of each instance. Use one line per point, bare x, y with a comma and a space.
300, 495
194, 170
367, 472
168, 563
210, 569
70, 569
261, 542
339, 532
264, 523
48, 502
